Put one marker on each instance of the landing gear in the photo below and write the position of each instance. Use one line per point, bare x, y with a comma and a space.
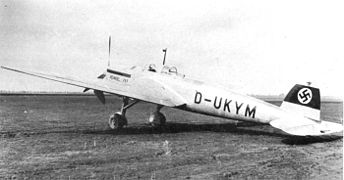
157, 119
118, 120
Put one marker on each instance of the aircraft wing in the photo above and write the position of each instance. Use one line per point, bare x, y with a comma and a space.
306, 127
144, 89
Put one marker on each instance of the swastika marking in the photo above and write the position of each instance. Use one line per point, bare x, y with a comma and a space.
304, 95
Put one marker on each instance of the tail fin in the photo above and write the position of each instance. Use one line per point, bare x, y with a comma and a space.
304, 100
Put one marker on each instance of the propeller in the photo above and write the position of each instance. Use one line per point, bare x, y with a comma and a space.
109, 50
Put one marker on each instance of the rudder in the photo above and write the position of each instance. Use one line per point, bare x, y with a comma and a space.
303, 100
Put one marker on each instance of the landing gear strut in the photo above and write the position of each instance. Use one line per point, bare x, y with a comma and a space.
118, 120
157, 119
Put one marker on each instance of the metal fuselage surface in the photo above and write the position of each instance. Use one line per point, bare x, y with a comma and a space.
209, 99
220, 102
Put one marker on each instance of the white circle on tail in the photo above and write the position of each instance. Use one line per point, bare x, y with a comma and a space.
304, 95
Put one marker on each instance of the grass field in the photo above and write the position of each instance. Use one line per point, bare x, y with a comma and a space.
66, 137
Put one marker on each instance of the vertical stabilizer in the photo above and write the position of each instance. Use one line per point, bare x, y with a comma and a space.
304, 100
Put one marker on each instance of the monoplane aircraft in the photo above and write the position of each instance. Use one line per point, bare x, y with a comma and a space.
299, 113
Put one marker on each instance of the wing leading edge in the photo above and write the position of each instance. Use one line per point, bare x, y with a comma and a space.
144, 89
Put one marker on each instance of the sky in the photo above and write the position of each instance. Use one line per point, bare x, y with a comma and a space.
258, 47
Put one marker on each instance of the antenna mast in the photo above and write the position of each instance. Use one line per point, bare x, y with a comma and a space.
109, 51
165, 51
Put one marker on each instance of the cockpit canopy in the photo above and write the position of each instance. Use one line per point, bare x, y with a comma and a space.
169, 70
165, 70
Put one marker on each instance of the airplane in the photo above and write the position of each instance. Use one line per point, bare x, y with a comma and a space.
299, 113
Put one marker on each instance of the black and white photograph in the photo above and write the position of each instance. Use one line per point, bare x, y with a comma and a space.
158, 89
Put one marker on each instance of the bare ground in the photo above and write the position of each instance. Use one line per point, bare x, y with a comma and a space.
59, 137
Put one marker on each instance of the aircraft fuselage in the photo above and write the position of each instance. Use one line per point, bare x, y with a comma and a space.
207, 99
210, 100
217, 101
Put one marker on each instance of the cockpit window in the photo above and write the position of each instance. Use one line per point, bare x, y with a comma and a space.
165, 69
173, 70
169, 70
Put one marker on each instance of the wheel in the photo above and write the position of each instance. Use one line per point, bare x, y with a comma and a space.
117, 121
157, 119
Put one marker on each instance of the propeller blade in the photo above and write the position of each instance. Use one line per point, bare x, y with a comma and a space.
109, 50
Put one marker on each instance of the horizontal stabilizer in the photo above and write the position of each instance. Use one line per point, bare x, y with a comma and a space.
307, 127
